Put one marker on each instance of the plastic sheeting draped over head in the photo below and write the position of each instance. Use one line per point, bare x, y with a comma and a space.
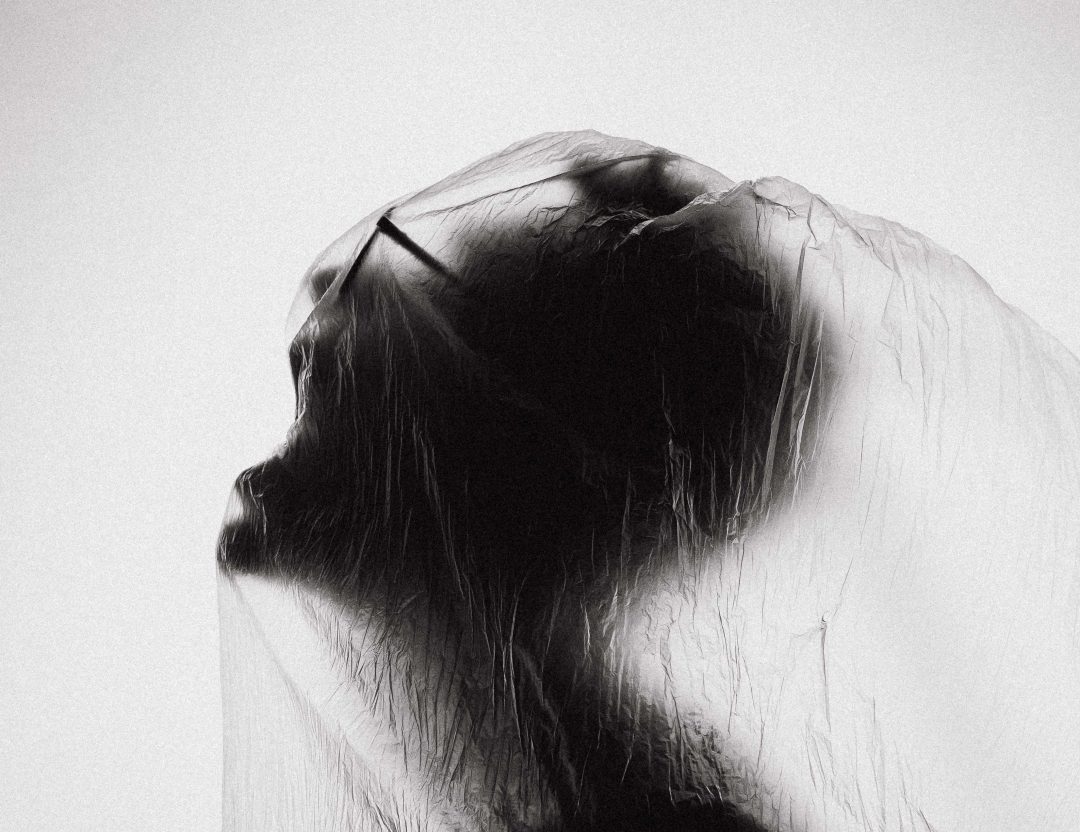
569, 344
787, 305
525, 349
512, 383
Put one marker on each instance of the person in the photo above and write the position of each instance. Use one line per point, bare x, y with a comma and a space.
621, 495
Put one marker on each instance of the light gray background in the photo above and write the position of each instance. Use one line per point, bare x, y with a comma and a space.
168, 171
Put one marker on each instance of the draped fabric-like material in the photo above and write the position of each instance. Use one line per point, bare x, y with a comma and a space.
624, 496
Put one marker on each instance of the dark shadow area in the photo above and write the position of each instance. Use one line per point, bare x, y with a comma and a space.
513, 444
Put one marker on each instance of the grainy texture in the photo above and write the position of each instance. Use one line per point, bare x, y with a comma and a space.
621, 496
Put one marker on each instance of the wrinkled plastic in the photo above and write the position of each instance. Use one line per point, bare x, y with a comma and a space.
621, 495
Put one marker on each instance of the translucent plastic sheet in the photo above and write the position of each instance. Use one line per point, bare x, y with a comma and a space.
623, 496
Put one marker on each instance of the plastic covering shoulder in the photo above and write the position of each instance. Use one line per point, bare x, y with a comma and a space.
624, 496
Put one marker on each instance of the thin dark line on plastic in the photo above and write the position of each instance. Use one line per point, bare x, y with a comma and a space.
406, 242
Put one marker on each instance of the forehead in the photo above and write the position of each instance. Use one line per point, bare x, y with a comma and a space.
509, 189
